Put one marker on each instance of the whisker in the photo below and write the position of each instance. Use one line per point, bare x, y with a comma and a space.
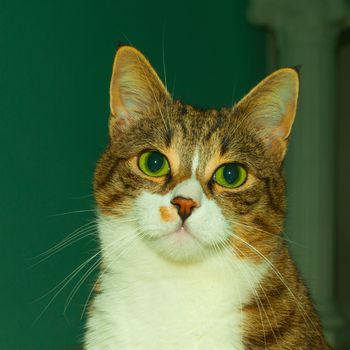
86, 275
107, 267
267, 232
279, 275
73, 212
173, 88
63, 284
163, 54
262, 289
77, 235
80, 282
256, 295
165, 76
217, 249
60, 245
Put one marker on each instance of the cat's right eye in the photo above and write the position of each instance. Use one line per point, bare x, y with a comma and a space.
153, 163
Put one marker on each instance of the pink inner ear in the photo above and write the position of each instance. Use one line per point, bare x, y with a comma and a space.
271, 107
135, 86
278, 142
118, 121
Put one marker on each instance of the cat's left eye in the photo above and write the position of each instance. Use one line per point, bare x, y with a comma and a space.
230, 175
153, 163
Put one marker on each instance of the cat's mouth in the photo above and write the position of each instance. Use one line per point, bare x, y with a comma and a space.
181, 231
182, 234
182, 241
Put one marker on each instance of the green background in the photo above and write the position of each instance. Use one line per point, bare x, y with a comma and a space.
55, 65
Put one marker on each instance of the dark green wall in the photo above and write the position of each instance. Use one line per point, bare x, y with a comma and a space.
55, 64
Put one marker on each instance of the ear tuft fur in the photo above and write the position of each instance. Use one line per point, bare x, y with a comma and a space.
135, 88
270, 109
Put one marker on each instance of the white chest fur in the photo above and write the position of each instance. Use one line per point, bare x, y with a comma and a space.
150, 303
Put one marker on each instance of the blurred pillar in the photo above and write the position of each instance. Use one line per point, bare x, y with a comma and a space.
305, 34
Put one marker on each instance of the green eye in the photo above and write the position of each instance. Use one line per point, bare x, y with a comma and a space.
153, 163
230, 175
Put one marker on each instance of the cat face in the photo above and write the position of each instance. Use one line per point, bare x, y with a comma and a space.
192, 181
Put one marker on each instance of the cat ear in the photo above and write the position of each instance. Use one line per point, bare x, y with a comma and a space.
135, 89
270, 107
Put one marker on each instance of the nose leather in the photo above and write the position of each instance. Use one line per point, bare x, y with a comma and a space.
184, 206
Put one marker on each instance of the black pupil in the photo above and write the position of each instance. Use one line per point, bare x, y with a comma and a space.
231, 173
155, 161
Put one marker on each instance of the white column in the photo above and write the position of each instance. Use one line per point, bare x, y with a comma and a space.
306, 33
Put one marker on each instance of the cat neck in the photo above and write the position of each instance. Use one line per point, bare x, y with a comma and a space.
151, 293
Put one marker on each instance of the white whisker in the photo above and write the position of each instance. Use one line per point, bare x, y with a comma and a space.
279, 275
256, 295
63, 284
128, 245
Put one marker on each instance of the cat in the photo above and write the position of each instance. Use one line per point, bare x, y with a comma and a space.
191, 204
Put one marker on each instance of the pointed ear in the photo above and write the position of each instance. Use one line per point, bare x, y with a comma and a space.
135, 89
270, 107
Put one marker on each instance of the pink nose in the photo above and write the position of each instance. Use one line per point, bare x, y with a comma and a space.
184, 206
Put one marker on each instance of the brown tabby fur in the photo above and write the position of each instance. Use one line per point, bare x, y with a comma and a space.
282, 315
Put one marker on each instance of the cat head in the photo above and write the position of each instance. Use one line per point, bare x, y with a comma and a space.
191, 181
